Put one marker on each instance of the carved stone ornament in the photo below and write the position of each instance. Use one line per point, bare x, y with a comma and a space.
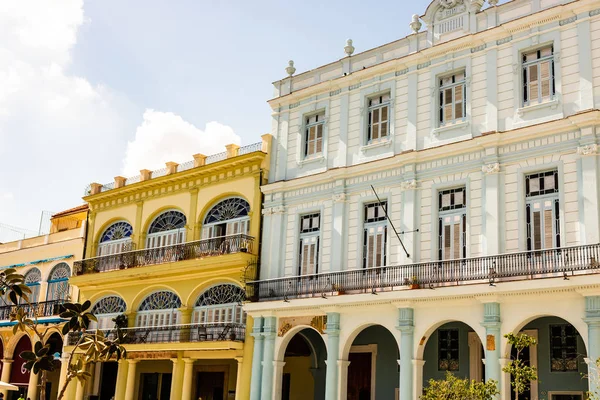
492, 168
317, 322
273, 210
339, 197
415, 25
409, 185
588, 150
450, 3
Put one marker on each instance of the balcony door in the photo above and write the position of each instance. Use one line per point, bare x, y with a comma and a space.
167, 229
159, 310
224, 224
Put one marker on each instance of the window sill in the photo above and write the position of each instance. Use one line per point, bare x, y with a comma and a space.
553, 104
450, 127
379, 143
316, 159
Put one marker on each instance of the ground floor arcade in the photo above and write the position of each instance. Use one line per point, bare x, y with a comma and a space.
389, 345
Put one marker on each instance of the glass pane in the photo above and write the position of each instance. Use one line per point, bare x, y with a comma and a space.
448, 96
458, 110
375, 118
384, 129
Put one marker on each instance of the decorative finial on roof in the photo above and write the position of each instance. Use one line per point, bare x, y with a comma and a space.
493, 2
349, 49
290, 70
415, 25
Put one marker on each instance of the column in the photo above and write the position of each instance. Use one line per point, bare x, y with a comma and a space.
332, 329
269, 333
32, 389
256, 359
6, 368
177, 378
80, 392
238, 379
491, 209
418, 378
491, 322
505, 388
406, 327
131, 382
121, 379
592, 319
343, 378
64, 367
188, 379
278, 378
588, 187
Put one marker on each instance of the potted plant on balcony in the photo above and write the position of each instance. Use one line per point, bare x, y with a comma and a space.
413, 282
337, 288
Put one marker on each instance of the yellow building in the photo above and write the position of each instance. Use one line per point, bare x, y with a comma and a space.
47, 263
170, 249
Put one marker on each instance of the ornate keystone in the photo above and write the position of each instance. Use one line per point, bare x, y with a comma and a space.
409, 185
492, 168
349, 49
588, 150
339, 197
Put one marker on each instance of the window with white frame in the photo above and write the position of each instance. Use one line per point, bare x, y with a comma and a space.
538, 76
313, 135
378, 118
220, 304
106, 309
375, 235
452, 230
453, 104
308, 254
542, 210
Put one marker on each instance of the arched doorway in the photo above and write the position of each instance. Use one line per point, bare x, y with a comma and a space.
453, 347
373, 372
52, 378
559, 359
19, 376
304, 368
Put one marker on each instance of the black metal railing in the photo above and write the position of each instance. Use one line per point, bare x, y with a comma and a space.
179, 252
212, 332
562, 262
41, 309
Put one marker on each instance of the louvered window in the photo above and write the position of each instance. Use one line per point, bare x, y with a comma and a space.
538, 76
379, 115
375, 235
452, 224
452, 100
313, 136
308, 255
542, 210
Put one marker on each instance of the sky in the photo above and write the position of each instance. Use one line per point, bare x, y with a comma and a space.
94, 89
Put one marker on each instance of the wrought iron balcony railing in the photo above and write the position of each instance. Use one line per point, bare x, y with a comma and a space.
562, 262
41, 309
213, 332
158, 255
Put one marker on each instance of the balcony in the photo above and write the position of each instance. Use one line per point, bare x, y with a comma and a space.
563, 262
41, 309
187, 251
213, 332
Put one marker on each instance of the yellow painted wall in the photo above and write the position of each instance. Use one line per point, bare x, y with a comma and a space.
302, 384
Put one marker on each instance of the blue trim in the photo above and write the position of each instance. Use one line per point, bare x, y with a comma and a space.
38, 261
41, 321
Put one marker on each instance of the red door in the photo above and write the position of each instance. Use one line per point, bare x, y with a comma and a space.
359, 377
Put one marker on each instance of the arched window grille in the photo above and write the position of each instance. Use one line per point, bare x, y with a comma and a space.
167, 229
106, 309
228, 217
115, 239
220, 304
159, 309
58, 282
33, 278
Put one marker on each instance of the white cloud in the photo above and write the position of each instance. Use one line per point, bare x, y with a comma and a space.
164, 136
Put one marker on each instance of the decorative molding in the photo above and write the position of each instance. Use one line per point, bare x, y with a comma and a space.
595, 12
355, 86
568, 20
504, 40
489, 169
409, 185
450, 3
335, 92
402, 72
287, 323
339, 197
588, 150
478, 48
273, 210
294, 105
424, 65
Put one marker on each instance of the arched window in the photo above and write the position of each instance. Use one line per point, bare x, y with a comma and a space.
167, 229
228, 217
115, 239
220, 304
106, 309
32, 280
58, 282
159, 309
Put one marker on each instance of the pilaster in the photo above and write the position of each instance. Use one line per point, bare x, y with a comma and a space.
192, 222
410, 215
269, 334
137, 228
492, 324
6, 369
491, 203
406, 327
339, 227
257, 358
592, 319
332, 329
588, 176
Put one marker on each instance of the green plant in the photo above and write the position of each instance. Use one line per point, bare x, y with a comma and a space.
521, 374
91, 347
453, 388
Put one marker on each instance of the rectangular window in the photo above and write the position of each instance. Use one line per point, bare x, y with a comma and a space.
452, 224
542, 211
563, 348
308, 255
374, 235
313, 135
379, 111
538, 76
448, 350
453, 105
